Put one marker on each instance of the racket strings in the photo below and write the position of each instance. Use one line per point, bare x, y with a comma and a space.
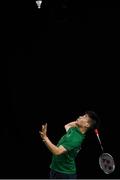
106, 162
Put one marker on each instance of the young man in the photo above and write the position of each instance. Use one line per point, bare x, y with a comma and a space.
64, 153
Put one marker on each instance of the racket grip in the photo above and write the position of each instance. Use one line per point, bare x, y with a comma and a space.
96, 131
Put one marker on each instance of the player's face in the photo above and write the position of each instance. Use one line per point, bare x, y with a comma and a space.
83, 120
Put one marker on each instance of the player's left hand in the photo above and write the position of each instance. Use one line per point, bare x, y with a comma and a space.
43, 132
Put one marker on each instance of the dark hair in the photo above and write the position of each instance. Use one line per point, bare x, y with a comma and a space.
94, 119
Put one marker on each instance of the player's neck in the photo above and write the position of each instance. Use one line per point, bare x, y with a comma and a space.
83, 130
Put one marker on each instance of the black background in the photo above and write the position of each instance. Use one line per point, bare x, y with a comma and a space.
61, 60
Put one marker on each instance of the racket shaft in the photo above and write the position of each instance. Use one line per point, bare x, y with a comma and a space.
100, 142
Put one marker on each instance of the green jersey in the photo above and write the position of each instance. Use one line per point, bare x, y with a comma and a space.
65, 163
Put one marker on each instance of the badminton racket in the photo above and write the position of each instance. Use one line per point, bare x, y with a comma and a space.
106, 161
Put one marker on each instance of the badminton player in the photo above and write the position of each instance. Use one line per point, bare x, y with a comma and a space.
63, 164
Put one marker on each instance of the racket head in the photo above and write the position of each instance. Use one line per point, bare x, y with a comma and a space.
106, 163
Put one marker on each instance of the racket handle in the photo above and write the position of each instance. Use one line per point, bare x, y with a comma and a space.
96, 132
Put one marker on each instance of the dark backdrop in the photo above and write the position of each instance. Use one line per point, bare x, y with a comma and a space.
62, 60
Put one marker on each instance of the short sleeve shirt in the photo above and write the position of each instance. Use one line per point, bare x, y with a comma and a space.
65, 163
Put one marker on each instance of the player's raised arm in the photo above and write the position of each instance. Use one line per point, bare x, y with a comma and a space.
53, 148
